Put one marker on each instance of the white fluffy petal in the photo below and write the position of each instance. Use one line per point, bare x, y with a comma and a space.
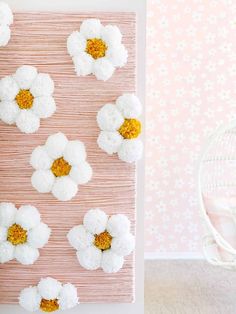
75, 152
118, 225
9, 111
76, 43
43, 85
103, 69
27, 217
111, 263
6, 16
56, 144
118, 55
7, 214
8, 88
95, 221
82, 173
5, 35
25, 76
129, 105
25, 254
79, 238
110, 142
38, 236
49, 288
64, 188
109, 118
3, 234
83, 64
123, 245
43, 180
27, 121
44, 106
131, 150
91, 28
68, 297
111, 35
90, 258
39, 159
30, 299
6, 252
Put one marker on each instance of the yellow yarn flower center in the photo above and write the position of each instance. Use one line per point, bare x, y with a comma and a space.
131, 128
24, 99
49, 305
60, 167
96, 47
16, 235
103, 240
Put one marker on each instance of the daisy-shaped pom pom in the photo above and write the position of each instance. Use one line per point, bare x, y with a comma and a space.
25, 98
6, 19
102, 241
49, 295
97, 49
60, 166
22, 233
120, 128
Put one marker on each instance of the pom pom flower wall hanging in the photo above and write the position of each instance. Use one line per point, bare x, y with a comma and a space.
120, 128
102, 241
6, 19
60, 165
21, 233
49, 296
97, 49
26, 96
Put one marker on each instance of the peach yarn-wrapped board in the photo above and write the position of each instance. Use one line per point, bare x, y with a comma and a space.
39, 39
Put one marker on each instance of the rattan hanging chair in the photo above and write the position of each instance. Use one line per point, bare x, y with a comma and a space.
217, 196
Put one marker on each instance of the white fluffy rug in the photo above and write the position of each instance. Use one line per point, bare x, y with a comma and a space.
188, 287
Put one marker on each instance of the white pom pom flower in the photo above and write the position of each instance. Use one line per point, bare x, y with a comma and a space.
22, 233
97, 49
6, 19
60, 166
49, 295
25, 98
102, 241
120, 128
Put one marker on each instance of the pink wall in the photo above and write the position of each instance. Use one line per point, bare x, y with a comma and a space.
191, 89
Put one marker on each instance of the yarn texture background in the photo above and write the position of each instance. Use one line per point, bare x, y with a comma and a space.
39, 39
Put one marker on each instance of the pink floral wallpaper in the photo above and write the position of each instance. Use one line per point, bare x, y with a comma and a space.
191, 89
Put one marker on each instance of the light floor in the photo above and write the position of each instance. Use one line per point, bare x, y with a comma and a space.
188, 287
